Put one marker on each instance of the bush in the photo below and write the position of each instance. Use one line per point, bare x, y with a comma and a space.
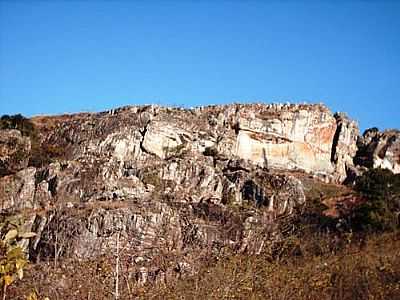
41, 154
18, 122
379, 212
13, 260
44, 154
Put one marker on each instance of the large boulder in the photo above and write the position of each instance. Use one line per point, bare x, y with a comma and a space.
163, 139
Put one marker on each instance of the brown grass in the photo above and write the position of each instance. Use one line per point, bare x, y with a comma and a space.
319, 266
367, 271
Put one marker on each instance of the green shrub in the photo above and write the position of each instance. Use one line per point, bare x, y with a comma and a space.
13, 260
379, 212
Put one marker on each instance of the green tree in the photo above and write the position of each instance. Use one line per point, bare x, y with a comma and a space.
381, 190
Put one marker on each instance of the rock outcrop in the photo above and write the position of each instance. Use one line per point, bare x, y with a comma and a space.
287, 137
344, 147
379, 150
189, 183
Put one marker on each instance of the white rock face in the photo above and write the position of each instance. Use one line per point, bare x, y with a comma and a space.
387, 163
287, 137
344, 146
162, 139
383, 149
123, 146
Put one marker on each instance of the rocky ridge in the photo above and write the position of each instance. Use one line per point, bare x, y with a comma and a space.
180, 183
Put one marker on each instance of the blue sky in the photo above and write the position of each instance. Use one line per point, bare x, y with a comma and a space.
72, 56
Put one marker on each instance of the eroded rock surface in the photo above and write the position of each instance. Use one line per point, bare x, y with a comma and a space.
344, 146
174, 182
287, 137
379, 149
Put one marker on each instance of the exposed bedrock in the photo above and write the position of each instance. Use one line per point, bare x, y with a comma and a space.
286, 137
188, 183
379, 150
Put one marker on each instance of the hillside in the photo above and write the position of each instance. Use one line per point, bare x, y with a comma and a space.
142, 201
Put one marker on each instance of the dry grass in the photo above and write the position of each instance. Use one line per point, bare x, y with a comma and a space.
370, 270
314, 267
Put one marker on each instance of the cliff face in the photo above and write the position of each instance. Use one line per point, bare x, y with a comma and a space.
288, 137
379, 149
344, 147
165, 180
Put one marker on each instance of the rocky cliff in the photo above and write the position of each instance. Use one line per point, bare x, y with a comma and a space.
379, 149
183, 183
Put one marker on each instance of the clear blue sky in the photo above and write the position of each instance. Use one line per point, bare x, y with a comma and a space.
58, 57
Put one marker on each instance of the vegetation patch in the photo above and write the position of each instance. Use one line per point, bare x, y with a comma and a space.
380, 211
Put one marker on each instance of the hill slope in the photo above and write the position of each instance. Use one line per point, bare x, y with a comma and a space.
171, 189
